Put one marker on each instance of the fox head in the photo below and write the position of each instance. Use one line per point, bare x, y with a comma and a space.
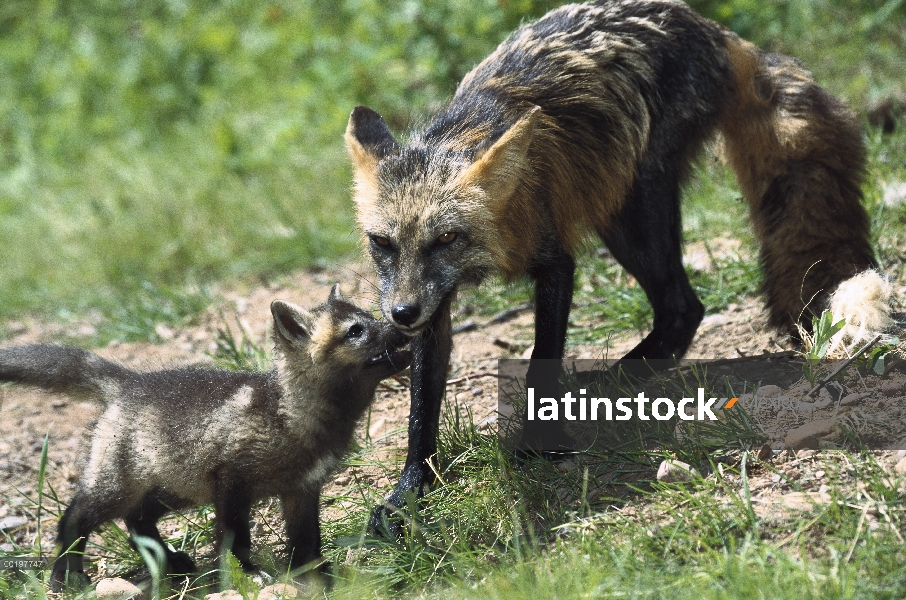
336, 344
431, 213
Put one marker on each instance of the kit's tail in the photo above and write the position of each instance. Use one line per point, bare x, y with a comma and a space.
62, 369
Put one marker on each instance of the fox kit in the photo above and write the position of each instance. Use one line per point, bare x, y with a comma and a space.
586, 122
184, 437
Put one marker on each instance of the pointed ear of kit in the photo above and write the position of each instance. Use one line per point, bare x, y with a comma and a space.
336, 295
498, 169
368, 140
292, 323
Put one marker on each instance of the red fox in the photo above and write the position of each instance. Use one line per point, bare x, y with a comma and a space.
184, 437
586, 122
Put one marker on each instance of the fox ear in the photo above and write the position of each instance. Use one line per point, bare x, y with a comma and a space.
336, 295
498, 169
368, 140
292, 323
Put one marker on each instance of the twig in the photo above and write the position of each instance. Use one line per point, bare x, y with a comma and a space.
472, 376
845, 364
501, 317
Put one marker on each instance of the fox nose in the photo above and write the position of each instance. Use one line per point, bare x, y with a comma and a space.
406, 314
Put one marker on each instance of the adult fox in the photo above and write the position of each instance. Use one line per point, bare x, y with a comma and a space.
587, 121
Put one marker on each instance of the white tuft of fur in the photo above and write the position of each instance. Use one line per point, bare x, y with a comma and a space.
864, 302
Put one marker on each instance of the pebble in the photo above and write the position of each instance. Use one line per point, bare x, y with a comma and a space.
672, 471
807, 436
891, 388
768, 391
10, 523
854, 398
900, 467
116, 589
226, 595
765, 452
278, 590
823, 402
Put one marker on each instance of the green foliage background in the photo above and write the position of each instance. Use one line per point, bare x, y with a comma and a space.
148, 145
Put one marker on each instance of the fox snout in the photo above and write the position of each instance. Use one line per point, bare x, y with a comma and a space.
405, 314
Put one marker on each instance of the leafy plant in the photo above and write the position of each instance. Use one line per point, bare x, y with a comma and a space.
817, 344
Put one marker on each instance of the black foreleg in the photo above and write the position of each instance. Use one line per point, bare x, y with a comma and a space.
431, 359
553, 298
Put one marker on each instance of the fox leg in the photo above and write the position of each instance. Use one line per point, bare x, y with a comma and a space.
431, 359
553, 297
232, 508
646, 239
85, 513
143, 521
303, 529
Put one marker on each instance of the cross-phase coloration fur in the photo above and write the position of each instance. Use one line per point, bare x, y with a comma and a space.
586, 122
184, 437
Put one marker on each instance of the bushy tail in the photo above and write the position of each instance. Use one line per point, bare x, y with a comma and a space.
800, 161
62, 369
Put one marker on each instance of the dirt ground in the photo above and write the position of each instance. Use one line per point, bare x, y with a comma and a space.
28, 415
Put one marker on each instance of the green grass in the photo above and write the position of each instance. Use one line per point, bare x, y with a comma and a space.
495, 528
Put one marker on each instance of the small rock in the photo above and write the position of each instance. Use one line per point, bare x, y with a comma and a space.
487, 423
477, 391
891, 388
227, 595
672, 471
278, 590
116, 589
900, 467
768, 391
765, 453
852, 399
806, 408
566, 466
819, 474
823, 403
13, 522
803, 454
808, 436
341, 480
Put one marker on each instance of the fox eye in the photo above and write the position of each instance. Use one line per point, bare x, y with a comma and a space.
446, 238
355, 332
380, 241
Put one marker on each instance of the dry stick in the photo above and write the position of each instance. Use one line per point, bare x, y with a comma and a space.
472, 376
845, 364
